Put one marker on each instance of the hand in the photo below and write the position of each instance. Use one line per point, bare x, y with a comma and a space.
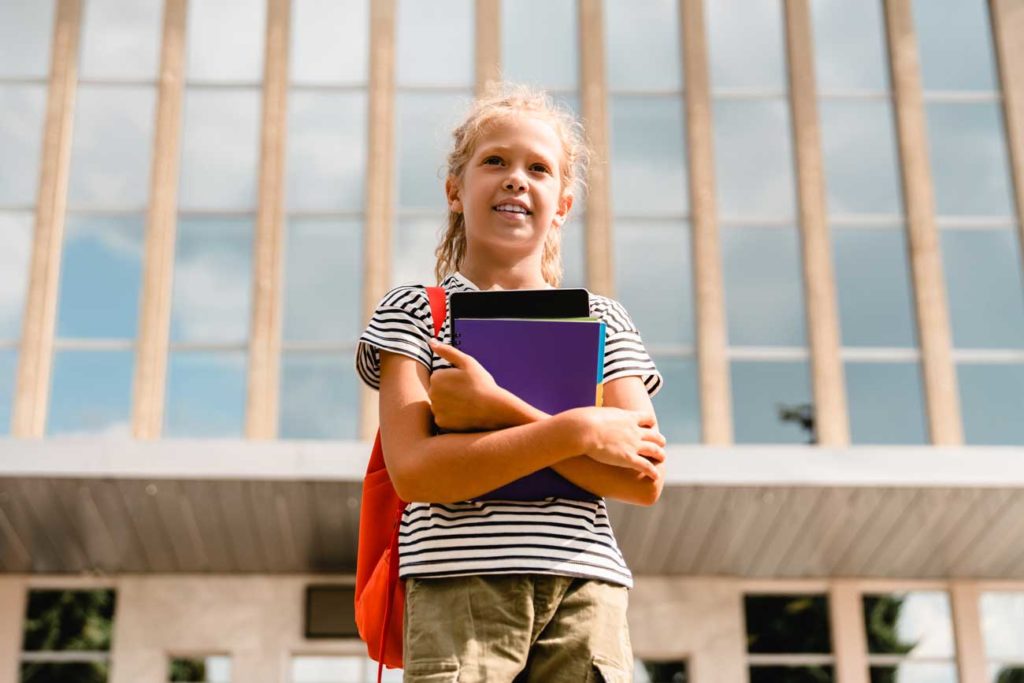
623, 438
465, 397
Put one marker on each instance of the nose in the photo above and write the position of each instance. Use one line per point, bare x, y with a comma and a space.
515, 182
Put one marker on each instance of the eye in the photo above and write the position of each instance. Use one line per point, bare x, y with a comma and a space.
492, 160
540, 168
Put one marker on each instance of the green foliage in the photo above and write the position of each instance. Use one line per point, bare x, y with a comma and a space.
791, 674
787, 624
1011, 674
881, 615
64, 672
69, 620
188, 670
666, 672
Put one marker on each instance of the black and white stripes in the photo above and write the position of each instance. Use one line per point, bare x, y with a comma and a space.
553, 536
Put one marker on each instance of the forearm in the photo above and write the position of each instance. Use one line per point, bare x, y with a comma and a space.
454, 467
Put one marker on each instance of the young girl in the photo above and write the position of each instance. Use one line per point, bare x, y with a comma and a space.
501, 590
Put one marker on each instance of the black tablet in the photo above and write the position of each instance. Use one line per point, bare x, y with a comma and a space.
520, 303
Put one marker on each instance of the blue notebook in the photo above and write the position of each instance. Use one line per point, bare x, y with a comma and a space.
553, 365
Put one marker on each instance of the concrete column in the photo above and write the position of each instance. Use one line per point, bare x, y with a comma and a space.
709, 297
1008, 30
265, 333
849, 638
488, 44
161, 228
964, 599
13, 594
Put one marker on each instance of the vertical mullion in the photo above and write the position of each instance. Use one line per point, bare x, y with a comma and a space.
1008, 34
265, 335
380, 170
488, 44
930, 305
709, 298
13, 600
970, 649
161, 227
35, 359
849, 642
594, 105
831, 422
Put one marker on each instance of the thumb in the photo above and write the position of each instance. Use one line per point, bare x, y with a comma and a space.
451, 354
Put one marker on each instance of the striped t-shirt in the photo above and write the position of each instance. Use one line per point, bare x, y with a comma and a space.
551, 536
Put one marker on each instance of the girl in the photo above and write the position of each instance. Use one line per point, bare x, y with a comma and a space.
501, 590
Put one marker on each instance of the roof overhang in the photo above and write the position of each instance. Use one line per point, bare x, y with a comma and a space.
72, 505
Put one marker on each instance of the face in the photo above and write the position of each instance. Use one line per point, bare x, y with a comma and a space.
511, 190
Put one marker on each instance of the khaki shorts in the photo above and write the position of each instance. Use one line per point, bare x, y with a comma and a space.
525, 628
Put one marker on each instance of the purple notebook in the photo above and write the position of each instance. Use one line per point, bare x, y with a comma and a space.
553, 365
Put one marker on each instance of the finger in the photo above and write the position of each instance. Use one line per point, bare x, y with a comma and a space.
644, 466
654, 436
645, 418
450, 354
652, 452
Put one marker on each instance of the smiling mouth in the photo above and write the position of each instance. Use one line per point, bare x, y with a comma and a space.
511, 209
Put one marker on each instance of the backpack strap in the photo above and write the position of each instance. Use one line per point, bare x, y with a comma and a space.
438, 307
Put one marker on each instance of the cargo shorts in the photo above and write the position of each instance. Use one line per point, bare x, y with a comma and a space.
521, 628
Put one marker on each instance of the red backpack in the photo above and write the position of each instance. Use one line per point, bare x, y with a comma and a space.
380, 596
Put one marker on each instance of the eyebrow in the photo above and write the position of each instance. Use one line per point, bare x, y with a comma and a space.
484, 151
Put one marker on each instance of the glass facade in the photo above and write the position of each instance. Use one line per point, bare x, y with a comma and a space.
326, 138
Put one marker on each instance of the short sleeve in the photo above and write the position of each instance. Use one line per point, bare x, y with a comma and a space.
401, 324
624, 351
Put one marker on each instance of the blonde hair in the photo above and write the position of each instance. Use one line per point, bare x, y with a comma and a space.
501, 101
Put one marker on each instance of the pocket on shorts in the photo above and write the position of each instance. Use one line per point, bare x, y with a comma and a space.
432, 671
604, 671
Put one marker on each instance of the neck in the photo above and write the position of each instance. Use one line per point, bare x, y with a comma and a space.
521, 275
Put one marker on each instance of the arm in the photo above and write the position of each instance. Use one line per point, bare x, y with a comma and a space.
467, 398
452, 467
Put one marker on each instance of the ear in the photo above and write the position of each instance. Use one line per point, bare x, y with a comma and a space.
451, 192
564, 205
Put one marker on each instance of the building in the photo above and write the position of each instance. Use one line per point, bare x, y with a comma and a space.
200, 203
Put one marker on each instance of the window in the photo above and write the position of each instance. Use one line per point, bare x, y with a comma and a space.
974, 205
651, 671
202, 669
67, 636
910, 637
1002, 625
339, 669
788, 638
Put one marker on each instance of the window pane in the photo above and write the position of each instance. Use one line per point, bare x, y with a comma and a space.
859, 147
746, 44
121, 39
648, 160
761, 392
985, 288
220, 149
339, 668
955, 44
654, 279
677, 404
413, 251
539, 43
917, 624
8, 376
574, 256
323, 280
914, 672
110, 152
101, 274
65, 672
225, 40
15, 252
212, 280
200, 670
787, 624
59, 621
763, 293
849, 45
885, 403
967, 147
791, 674
643, 45
992, 402
873, 281
424, 138
26, 29
1006, 674
330, 41
326, 151
753, 158
205, 394
1002, 623
319, 397
435, 43
647, 671
22, 110
92, 393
